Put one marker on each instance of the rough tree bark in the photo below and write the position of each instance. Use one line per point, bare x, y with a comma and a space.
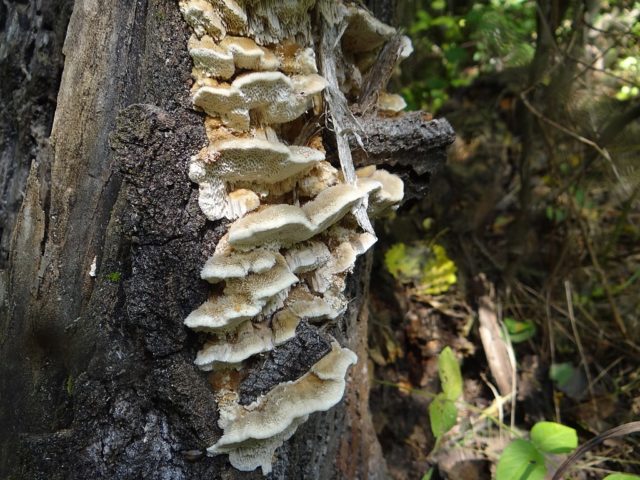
102, 263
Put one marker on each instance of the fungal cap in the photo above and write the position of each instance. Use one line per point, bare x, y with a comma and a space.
261, 88
261, 161
308, 84
306, 257
261, 286
246, 53
391, 102
216, 100
210, 58
332, 204
222, 313
202, 17
273, 224
225, 263
247, 340
364, 32
318, 390
389, 194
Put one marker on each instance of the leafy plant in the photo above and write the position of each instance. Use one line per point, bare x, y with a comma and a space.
426, 266
525, 459
443, 412
519, 330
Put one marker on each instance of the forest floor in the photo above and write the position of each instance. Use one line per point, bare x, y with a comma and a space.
561, 273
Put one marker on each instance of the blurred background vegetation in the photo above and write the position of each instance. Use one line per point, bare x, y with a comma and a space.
536, 215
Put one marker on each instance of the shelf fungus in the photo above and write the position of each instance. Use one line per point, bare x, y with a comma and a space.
253, 433
279, 273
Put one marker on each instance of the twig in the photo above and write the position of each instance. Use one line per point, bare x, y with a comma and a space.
603, 276
572, 134
620, 431
572, 319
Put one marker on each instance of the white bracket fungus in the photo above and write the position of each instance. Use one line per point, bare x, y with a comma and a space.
285, 258
249, 162
202, 17
273, 96
265, 422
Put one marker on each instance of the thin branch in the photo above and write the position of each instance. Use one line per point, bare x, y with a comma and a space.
572, 134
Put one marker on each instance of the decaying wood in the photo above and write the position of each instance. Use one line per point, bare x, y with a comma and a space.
96, 372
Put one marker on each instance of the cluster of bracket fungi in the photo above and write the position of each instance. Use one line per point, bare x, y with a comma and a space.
293, 238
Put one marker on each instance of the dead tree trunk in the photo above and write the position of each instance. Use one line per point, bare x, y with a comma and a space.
102, 263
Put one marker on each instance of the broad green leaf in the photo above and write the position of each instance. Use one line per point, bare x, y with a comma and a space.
450, 376
551, 437
442, 415
519, 331
521, 461
621, 476
561, 373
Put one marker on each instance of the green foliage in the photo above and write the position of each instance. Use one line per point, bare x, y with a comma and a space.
451, 49
621, 476
114, 276
438, 274
551, 437
450, 375
521, 460
562, 373
443, 412
525, 460
519, 331
402, 262
443, 415
428, 475
427, 267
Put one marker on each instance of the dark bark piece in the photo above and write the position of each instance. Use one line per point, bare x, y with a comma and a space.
411, 145
409, 140
285, 363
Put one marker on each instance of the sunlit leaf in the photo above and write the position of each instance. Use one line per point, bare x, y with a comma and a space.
519, 331
450, 375
521, 460
621, 476
551, 437
442, 415
438, 273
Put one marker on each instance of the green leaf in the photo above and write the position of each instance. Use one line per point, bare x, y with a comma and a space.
450, 375
402, 262
521, 460
621, 476
442, 415
428, 475
438, 273
519, 331
562, 373
551, 437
